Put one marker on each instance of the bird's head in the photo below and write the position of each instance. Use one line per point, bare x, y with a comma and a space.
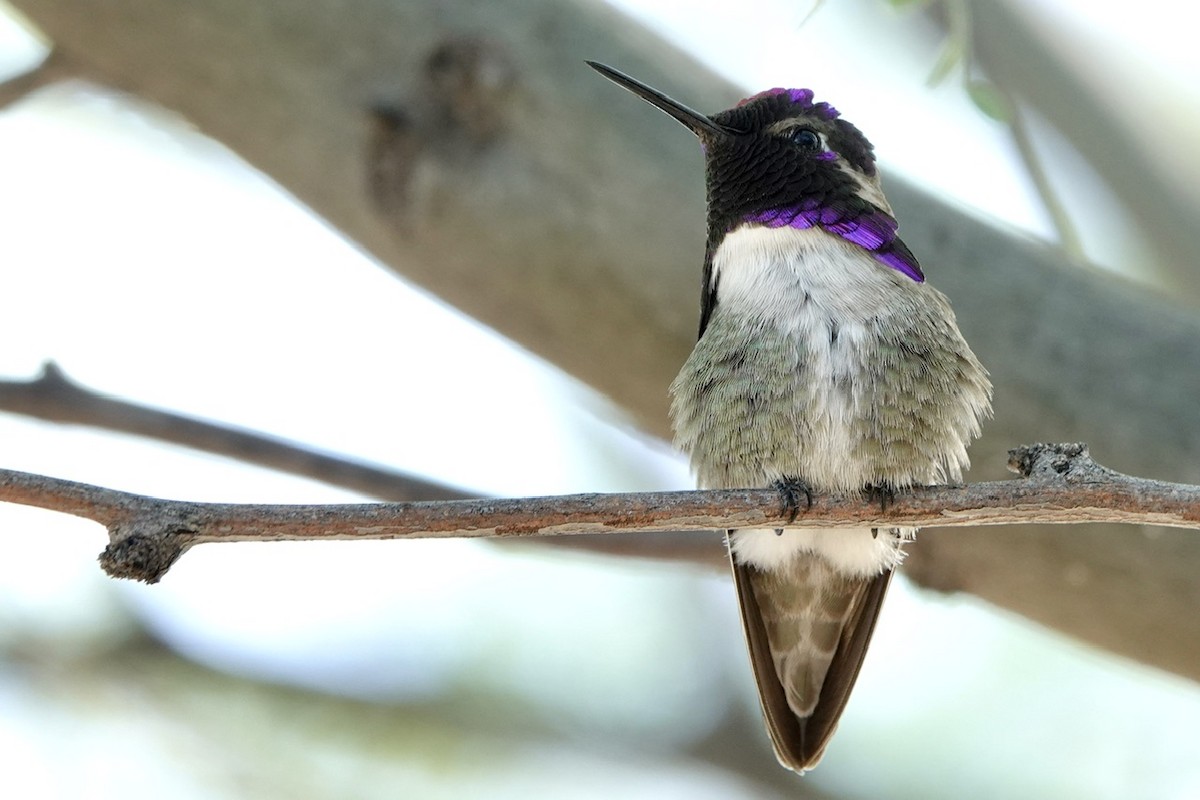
780, 159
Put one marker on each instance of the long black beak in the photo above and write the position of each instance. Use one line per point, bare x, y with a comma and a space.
698, 123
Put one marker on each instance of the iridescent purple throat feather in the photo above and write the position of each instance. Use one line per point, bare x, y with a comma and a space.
875, 232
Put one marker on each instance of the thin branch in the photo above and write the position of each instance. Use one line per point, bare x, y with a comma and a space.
54, 397
1063, 485
1068, 234
1043, 70
959, 51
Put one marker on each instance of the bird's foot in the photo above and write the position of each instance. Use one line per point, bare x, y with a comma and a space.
791, 491
882, 493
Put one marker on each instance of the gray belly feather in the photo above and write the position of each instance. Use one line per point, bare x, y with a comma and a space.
893, 398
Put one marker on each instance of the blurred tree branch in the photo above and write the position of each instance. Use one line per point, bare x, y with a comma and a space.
399, 124
1041, 73
54, 397
957, 54
54, 68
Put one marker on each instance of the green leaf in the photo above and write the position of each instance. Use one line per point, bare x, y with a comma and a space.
990, 100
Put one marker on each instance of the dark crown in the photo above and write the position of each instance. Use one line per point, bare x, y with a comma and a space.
761, 111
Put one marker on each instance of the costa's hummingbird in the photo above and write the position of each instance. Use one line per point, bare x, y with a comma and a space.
825, 363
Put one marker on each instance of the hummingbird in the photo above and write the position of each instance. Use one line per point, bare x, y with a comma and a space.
825, 363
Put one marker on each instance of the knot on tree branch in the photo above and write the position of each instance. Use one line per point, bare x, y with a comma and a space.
146, 547
1070, 461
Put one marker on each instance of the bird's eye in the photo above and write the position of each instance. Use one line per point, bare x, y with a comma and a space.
804, 138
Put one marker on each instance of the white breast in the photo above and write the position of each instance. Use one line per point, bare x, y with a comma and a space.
825, 294
809, 284
766, 271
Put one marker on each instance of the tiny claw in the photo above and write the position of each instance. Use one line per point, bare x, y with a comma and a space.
882, 493
790, 490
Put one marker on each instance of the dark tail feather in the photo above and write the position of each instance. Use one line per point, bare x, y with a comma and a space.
800, 739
